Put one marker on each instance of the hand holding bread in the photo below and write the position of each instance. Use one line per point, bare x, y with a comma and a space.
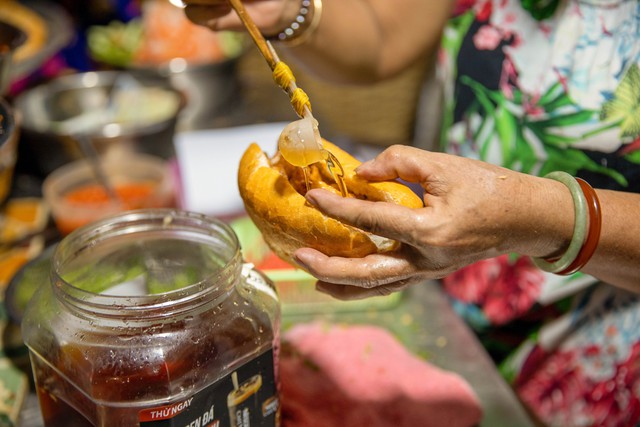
273, 194
472, 211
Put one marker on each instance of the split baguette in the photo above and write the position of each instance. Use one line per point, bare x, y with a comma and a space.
273, 194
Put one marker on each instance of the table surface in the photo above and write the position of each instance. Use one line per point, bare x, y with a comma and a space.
425, 322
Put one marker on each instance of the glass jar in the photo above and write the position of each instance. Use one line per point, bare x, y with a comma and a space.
152, 319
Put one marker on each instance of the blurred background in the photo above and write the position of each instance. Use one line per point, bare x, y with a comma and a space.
223, 77
90, 82
98, 80
111, 105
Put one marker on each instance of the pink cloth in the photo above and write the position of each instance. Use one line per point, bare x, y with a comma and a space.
361, 376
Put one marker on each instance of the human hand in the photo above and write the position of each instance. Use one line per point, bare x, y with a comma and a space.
473, 210
271, 16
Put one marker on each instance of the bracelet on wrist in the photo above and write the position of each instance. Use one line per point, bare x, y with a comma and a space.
303, 26
586, 230
593, 234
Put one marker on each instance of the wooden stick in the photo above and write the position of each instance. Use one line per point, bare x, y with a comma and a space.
269, 53
265, 48
256, 35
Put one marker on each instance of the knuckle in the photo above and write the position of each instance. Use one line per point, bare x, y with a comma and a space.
395, 152
421, 230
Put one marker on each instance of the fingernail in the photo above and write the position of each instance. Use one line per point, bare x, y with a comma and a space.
311, 199
300, 264
320, 288
363, 166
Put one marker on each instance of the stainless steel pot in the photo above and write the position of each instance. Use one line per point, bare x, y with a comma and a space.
116, 110
210, 89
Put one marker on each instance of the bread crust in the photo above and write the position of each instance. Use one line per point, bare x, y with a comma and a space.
272, 191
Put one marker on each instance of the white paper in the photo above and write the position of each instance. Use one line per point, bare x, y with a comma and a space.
208, 163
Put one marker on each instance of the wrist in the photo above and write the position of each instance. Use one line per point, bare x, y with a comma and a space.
557, 229
586, 229
302, 23
545, 218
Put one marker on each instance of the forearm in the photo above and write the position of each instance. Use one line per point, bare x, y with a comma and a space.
356, 41
617, 258
360, 41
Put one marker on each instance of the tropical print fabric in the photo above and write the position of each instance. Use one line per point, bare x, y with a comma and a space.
537, 96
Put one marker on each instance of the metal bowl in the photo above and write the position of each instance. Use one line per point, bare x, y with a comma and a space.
114, 109
210, 89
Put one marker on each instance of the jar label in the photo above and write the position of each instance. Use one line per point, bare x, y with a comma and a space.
247, 397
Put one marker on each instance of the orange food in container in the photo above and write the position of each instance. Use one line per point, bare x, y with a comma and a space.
76, 197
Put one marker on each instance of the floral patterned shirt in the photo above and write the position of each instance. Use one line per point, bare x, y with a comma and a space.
562, 93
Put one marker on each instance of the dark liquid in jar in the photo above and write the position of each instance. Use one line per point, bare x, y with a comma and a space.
119, 376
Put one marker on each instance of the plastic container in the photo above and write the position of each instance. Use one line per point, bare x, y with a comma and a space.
76, 197
152, 319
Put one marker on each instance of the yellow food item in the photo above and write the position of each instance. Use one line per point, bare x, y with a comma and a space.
19, 218
10, 262
22, 216
6, 176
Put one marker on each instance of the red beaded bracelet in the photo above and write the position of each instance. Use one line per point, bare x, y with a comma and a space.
593, 234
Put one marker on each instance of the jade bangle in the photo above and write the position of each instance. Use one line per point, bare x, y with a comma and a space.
579, 227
